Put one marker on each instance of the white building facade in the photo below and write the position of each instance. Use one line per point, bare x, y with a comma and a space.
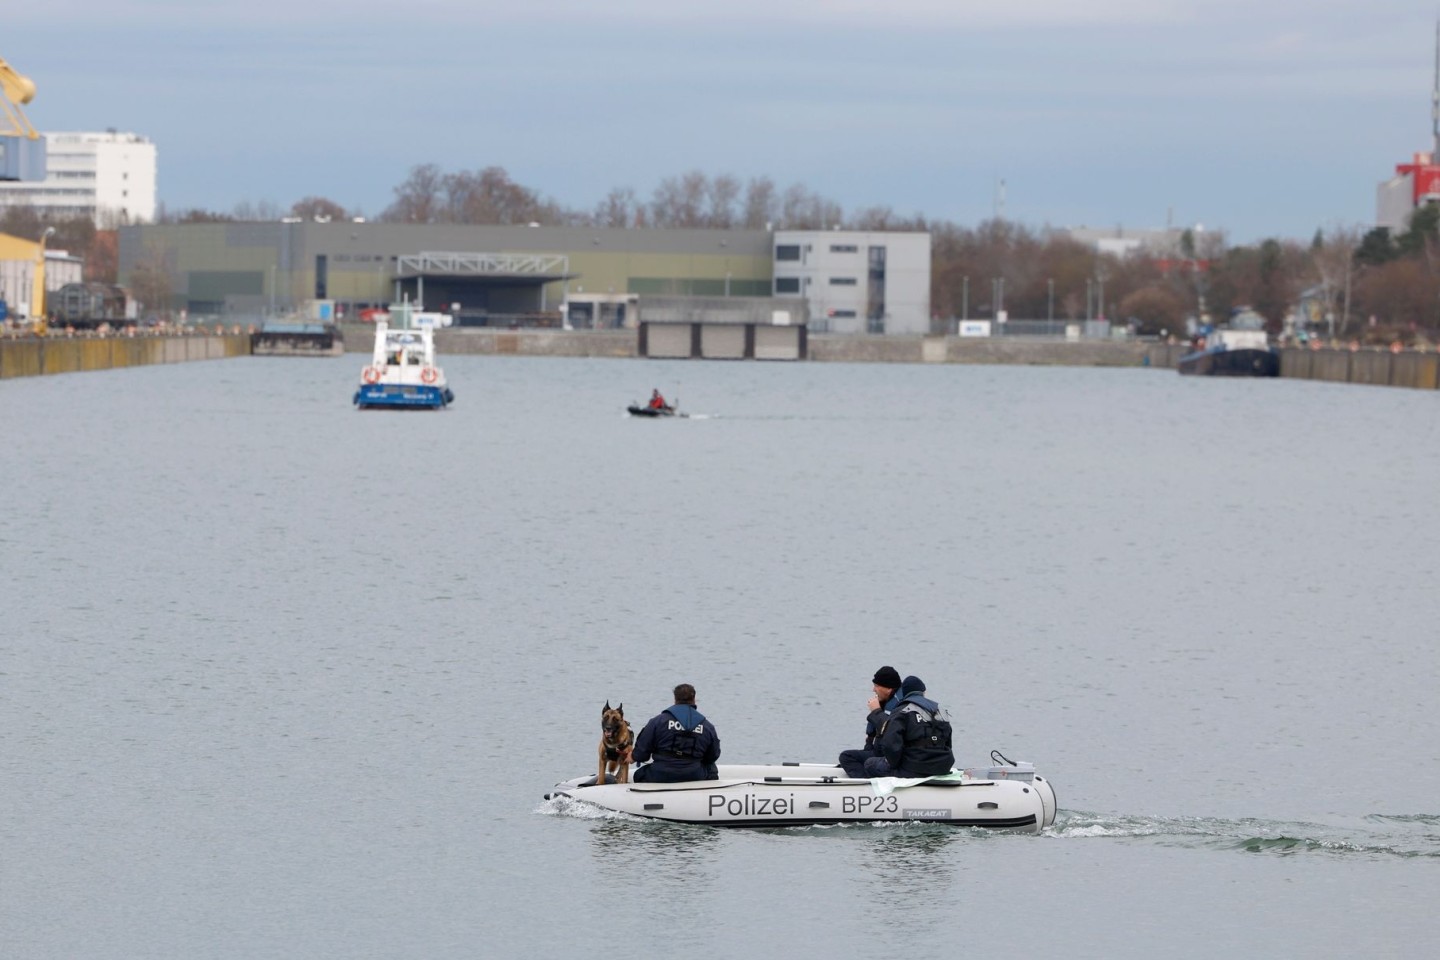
109, 177
857, 281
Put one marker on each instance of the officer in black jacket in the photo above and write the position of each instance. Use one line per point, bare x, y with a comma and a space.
886, 684
916, 738
682, 743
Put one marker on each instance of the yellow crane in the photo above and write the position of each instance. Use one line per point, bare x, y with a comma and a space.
22, 149
15, 89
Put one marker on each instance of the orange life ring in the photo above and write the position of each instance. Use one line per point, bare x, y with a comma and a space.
371, 375
428, 375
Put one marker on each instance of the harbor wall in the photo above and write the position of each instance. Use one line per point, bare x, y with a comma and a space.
1377, 366
41, 356
825, 347
1417, 369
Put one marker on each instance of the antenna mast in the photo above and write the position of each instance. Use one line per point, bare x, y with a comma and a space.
1435, 101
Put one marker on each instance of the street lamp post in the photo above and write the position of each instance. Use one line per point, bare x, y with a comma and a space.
1089, 296
964, 298
37, 291
1050, 299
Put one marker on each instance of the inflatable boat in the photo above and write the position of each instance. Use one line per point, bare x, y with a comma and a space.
1006, 796
636, 410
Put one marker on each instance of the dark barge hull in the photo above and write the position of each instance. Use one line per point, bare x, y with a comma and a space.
307, 340
1231, 363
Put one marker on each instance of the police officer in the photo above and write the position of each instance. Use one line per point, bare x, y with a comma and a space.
683, 744
915, 741
886, 684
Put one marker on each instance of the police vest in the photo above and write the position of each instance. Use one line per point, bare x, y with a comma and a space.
684, 744
929, 727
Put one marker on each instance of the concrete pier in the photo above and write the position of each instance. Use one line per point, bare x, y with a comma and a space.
41, 356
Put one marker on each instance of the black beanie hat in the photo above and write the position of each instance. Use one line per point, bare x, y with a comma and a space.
912, 685
887, 677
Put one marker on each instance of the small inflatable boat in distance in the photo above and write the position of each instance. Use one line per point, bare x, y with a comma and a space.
1003, 796
636, 410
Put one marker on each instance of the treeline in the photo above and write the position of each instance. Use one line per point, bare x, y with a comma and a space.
1371, 286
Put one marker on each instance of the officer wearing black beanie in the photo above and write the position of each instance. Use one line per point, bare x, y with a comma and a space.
886, 684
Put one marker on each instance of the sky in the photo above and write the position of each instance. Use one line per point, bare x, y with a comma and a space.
1259, 119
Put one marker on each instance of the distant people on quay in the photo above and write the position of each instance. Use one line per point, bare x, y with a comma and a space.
886, 697
680, 744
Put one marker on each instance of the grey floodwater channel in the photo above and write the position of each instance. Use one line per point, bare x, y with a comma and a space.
283, 679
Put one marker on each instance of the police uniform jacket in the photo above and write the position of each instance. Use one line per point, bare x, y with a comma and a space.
916, 739
682, 743
875, 722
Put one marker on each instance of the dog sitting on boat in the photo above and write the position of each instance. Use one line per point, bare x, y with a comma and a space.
616, 744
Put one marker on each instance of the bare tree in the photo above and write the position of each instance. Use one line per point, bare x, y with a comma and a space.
419, 198
802, 210
1157, 309
490, 196
1332, 256
263, 211
723, 193
149, 281
617, 209
318, 208
760, 204
1399, 295
680, 201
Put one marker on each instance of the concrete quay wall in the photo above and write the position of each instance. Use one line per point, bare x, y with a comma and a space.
41, 356
360, 338
998, 350
1375, 366
841, 348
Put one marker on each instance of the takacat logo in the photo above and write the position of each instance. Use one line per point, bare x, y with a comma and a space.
750, 805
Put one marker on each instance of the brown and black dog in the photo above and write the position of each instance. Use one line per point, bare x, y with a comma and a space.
616, 743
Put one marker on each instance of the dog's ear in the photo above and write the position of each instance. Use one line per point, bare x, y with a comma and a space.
620, 709
605, 709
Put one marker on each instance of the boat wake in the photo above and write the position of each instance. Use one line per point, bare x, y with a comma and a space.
1378, 836
580, 810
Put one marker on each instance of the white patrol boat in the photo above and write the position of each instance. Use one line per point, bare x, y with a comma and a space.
402, 372
1004, 796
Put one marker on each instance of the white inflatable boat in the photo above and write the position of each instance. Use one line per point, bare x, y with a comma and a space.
1004, 796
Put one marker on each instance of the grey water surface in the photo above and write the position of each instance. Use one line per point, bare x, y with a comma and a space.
283, 679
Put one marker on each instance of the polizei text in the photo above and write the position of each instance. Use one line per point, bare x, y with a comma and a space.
749, 805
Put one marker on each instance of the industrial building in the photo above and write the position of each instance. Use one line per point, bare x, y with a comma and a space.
856, 281
534, 276
1414, 185
109, 177
18, 261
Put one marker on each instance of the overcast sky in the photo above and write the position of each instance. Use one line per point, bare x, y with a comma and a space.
1258, 118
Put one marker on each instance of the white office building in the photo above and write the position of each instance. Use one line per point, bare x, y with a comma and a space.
857, 281
109, 177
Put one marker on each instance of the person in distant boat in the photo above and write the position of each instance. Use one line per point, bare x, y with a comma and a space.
657, 402
680, 744
915, 741
886, 684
